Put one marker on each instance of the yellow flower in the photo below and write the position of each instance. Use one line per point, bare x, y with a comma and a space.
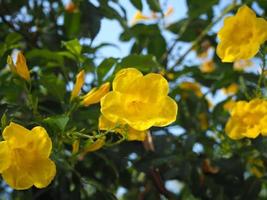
20, 68
207, 67
78, 84
25, 157
248, 119
241, 35
240, 65
75, 146
95, 95
139, 101
193, 87
70, 7
94, 146
169, 11
138, 16
132, 134
228, 106
231, 89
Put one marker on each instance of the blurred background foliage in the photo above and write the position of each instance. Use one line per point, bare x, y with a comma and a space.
189, 160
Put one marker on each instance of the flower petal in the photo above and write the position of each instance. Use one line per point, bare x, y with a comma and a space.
42, 172
5, 157
125, 78
16, 178
42, 143
16, 135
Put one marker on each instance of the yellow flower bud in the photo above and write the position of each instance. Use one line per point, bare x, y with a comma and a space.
78, 84
20, 68
231, 89
90, 147
75, 146
95, 95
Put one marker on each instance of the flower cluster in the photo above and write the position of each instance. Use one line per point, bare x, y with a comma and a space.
248, 119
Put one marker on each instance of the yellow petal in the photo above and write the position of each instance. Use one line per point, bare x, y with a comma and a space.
94, 146
168, 112
125, 79
95, 95
17, 178
138, 16
16, 135
78, 84
21, 67
42, 172
41, 142
5, 156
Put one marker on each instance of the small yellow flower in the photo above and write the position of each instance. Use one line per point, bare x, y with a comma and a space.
228, 106
139, 101
75, 146
132, 134
25, 157
241, 35
240, 65
207, 67
139, 16
20, 68
95, 95
231, 89
94, 146
193, 87
169, 11
248, 119
78, 84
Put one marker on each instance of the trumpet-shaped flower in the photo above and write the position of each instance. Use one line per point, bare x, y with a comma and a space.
20, 68
78, 84
241, 35
248, 119
139, 16
95, 95
139, 101
25, 157
132, 134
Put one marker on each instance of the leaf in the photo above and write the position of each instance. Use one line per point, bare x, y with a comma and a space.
145, 63
12, 38
73, 46
104, 67
137, 4
72, 24
54, 85
196, 7
154, 5
57, 122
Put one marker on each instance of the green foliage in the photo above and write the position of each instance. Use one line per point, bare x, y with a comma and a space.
203, 162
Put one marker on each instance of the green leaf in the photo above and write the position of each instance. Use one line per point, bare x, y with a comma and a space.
104, 67
154, 5
72, 24
145, 63
57, 122
54, 86
73, 46
13, 38
3, 121
196, 7
137, 4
